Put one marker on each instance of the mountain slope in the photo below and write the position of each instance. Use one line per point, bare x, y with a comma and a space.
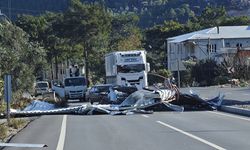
151, 12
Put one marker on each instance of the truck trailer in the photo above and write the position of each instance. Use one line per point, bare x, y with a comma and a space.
127, 68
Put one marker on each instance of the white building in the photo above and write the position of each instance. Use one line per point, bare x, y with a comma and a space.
214, 43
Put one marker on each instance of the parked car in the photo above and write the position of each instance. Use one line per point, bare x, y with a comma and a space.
41, 87
100, 93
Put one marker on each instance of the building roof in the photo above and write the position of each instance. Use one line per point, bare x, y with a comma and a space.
222, 32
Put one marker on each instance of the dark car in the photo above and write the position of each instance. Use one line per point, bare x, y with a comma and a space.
99, 93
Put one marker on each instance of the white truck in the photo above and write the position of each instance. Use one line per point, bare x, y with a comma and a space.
127, 68
70, 87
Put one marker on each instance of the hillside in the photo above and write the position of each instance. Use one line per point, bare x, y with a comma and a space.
151, 12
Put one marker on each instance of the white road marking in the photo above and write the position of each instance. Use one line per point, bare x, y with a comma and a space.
146, 116
229, 115
192, 136
22, 145
246, 94
61, 140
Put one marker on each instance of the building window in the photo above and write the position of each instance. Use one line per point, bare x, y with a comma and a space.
227, 44
239, 45
212, 48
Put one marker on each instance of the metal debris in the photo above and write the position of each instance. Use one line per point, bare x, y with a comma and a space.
159, 98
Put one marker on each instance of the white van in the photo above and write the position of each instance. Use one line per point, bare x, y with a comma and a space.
41, 87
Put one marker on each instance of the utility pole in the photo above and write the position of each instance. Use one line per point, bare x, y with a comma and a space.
209, 48
179, 78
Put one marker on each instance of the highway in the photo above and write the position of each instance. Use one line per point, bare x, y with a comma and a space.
158, 131
161, 131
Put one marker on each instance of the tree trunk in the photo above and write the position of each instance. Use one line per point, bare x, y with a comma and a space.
56, 62
51, 69
86, 47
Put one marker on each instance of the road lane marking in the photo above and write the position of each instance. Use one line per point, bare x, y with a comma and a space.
246, 94
192, 136
228, 115
146, 116
61, 140
22, 145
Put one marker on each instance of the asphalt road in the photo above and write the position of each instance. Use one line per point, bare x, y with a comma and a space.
232, 95
158, 131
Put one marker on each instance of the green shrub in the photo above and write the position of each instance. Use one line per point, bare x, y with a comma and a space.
3, 131
205, 72
165, 73
243, 84
1, 89
221, 80
2, 107
16, 123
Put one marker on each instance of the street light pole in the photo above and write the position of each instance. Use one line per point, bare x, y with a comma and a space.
209, 48
178, 72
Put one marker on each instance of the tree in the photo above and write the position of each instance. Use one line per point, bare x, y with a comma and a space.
236, 21
212, 16
88, 25
125, 35
205, 72
155, 42
41, 30
15, 48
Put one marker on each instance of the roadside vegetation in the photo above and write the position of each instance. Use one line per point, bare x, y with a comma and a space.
14, 126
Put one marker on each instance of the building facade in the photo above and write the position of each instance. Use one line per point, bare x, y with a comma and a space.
216, 43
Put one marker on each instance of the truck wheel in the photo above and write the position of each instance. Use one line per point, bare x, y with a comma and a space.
91, 101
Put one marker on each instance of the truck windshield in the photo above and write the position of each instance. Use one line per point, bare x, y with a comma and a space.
75, 82
130, 68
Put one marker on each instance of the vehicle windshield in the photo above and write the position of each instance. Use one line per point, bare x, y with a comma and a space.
132, 68
75, 82
102, 88
41, 85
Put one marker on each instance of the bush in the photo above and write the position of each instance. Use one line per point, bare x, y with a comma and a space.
1, 89
16, 123
3, 131
243, 84
221, 80
165, 73
205, 72
20, 103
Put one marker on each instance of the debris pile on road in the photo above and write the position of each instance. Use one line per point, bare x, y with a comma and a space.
165, 98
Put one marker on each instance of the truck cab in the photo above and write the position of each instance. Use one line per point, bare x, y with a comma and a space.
127, 68
71, 88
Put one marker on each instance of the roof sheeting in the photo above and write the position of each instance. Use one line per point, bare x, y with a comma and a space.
212, 33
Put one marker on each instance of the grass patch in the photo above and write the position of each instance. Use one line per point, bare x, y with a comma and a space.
14, 126
15, 104
16, 123
2, 107
3, 131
